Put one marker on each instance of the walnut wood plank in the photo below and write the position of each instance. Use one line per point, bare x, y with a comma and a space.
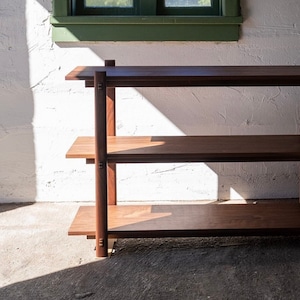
163, 76
192, 220
192, 148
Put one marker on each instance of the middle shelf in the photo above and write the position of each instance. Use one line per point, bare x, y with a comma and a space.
163, 149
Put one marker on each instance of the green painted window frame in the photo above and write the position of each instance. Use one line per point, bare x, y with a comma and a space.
148, 26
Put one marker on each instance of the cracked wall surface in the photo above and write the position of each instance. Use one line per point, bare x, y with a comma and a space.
41, 113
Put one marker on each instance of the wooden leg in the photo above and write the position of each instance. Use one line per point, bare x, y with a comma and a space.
111, 131
101, 165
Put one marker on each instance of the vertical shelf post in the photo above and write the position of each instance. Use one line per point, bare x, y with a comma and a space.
101, 164
111, 131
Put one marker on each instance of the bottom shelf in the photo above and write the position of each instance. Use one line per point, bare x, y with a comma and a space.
192, 220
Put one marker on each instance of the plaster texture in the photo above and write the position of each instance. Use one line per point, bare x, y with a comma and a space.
41, 113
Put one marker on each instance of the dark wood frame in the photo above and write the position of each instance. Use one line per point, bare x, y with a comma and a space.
223, 220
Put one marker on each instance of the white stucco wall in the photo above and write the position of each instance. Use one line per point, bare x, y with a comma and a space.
41, 113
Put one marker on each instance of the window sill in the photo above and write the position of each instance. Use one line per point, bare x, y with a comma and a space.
144, 28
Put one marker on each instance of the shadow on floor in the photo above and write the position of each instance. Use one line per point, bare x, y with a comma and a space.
11, 206
189, 268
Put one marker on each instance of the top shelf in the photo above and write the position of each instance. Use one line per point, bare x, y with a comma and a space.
172, 76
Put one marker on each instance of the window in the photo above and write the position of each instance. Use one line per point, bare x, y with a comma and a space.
145, 20
189, 7
188, 3
105, 7
108, 3
142, 7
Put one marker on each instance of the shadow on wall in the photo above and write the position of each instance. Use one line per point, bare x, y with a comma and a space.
218, 111
17, 154
235, 111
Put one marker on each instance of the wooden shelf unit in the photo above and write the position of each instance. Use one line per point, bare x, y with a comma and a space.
106, 150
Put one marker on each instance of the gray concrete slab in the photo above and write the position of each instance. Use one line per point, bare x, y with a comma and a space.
40, 261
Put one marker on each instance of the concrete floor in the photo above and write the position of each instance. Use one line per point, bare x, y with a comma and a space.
40, 261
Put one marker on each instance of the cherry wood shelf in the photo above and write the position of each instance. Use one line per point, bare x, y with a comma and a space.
131, 221
151, 149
